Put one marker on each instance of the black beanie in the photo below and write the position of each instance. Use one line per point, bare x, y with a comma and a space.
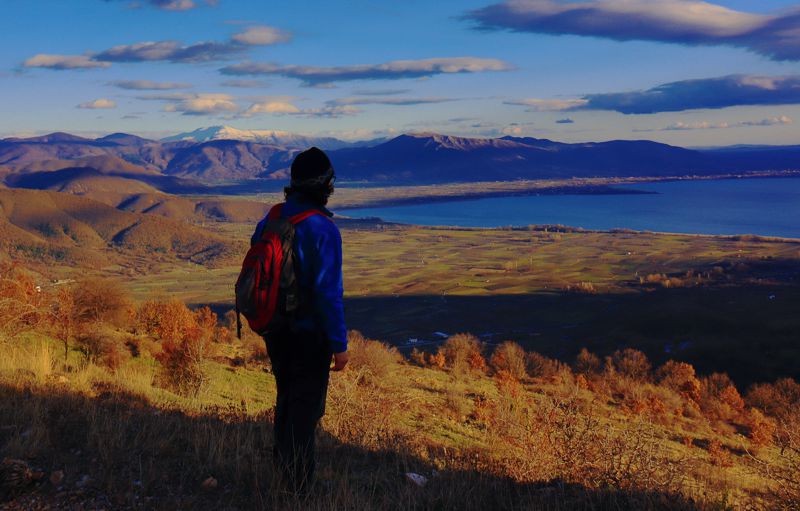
310, 168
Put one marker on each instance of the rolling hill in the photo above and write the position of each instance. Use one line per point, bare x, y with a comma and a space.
50, 226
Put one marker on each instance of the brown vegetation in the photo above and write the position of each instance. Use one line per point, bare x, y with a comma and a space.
534, 434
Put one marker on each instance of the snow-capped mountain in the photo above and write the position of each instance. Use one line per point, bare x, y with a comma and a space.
271, 137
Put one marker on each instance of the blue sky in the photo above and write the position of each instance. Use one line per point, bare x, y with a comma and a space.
679, 71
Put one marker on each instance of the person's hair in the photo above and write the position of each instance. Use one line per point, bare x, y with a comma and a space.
312, 176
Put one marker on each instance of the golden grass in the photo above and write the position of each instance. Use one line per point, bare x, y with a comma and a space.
494, 442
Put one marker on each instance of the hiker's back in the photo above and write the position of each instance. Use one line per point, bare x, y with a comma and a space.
318, 262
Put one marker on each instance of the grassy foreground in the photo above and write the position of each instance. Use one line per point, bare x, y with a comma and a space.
108, 429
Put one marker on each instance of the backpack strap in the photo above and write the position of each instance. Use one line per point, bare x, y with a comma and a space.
296, 219
275, 211
275, 214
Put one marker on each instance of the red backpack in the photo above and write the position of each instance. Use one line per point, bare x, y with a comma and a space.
266, 290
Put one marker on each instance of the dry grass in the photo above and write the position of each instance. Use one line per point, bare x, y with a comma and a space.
489, 443
537, 435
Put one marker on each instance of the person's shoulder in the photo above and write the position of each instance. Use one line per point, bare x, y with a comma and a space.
322, 223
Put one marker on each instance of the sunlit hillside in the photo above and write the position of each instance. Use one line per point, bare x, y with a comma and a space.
112, 403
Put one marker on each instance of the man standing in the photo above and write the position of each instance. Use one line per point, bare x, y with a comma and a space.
301, 354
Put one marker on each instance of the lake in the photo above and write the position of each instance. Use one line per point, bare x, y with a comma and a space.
763, 206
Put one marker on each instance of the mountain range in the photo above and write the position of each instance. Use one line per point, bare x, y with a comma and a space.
190, 161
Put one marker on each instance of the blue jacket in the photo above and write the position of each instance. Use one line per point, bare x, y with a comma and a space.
318, 269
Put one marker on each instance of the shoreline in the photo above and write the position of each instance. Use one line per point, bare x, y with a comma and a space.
428, 194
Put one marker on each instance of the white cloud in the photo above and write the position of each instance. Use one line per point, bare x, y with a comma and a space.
246, 84
198, 104
148, 85
98, 104
706, 125
261, 35
548, 105
284, 107
50, 61
772, 121
271, 107
174, 5
394, 70
376, 100
689, 22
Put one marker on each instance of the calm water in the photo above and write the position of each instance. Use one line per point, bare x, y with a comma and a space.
768, 207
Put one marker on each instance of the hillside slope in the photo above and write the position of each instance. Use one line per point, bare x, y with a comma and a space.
44, 225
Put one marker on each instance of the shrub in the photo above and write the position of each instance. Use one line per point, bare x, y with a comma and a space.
719, 398
680, 377
509, 357
761, 429
417, 357
375, 359
539, 366
582, 288
437, 360
463, 353
21, 300
455, 403
719, 455
779, 399
182, 361
206, 320
631, 363
102, 348
167, 320
255, 349
586, 363
102, 300
185, 338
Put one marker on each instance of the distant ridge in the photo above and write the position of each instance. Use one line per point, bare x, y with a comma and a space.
222, 154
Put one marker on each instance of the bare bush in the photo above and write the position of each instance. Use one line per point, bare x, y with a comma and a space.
359, 414
628, 456
680, 377
588, 364
761, 429
719, 398
509, 357
102, 300
539, 366
375, 359
463, 354
102, 348
21, 300
418, 358
182, 362
631, 363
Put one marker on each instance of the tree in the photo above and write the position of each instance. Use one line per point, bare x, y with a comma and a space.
63, 316
99, 300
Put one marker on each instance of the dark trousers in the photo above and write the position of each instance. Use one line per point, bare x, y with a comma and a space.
301, 364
